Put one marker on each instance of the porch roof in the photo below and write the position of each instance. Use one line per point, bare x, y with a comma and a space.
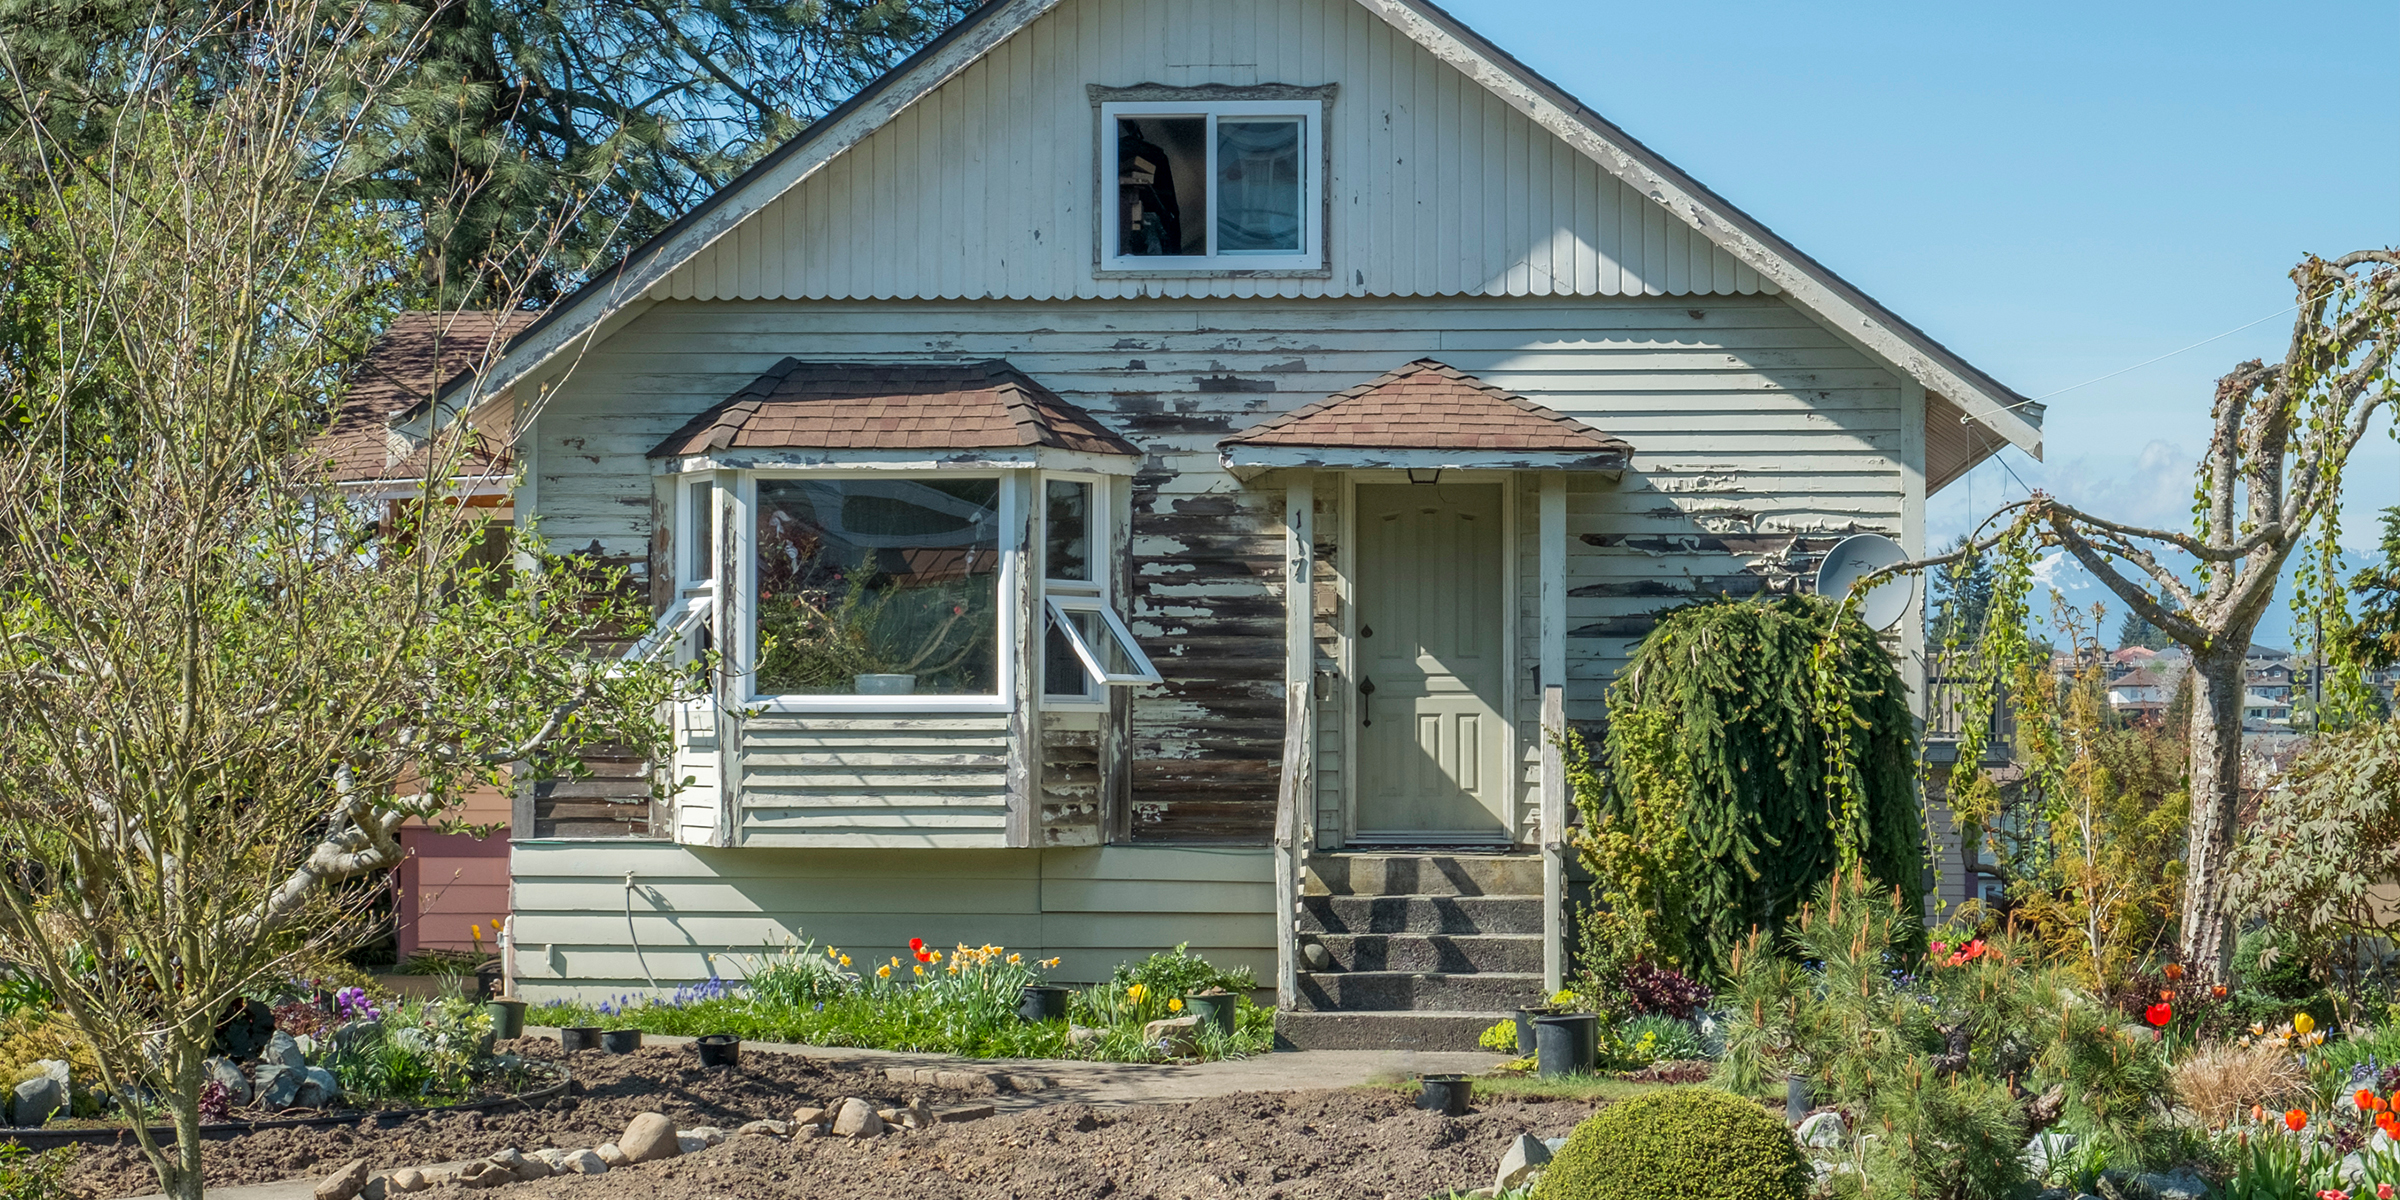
893, 406
1424, 412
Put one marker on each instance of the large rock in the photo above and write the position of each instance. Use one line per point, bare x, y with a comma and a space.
484, 1173
2181, 1184
856, 1119
648, 1137
918, 1115
225, 1071
318, 1088
516, 1163
610, 1155
709, 1135
36, 1099
582, 1162
347, 1180
1525, 1156
1175, 1037
764, 1129
406, 1179
285, 1049
355, 1033
2046, 1150
1822, 1131
809, 1116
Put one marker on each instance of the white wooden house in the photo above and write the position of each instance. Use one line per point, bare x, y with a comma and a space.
984, 426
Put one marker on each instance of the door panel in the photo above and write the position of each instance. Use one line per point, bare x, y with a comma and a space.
1432, 674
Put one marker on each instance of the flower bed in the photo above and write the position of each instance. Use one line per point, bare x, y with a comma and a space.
962, 1001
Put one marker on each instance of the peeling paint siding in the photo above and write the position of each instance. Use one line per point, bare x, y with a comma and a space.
985, 187
1093, 908
1759, 438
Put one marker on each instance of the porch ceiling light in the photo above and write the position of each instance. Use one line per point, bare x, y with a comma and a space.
1424, 474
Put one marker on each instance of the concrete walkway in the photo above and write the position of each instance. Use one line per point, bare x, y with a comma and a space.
1074, 1082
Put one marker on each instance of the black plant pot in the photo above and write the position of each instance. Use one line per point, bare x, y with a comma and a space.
621, 1041
718, 1049
1446, 1094
1043, 1002
579, 1037
1569, 1043
1525, 1019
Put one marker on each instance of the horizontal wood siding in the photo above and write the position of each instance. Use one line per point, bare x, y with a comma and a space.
886, 780
583, 931
1760, 438
985, 187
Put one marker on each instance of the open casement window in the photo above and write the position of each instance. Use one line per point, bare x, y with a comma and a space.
1089, 648
874, 590
1219, 186
696, 559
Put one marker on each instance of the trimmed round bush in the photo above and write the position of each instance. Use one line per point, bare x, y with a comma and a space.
1680, 1144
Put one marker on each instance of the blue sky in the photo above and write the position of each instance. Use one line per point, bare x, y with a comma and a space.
2056, 191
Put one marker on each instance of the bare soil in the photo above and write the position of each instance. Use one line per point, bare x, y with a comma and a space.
1352, 1144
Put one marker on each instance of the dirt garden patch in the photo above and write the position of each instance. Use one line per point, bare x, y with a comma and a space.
1356, 1144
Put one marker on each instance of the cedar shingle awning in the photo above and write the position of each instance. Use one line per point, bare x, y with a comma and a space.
1426, 414
884, 407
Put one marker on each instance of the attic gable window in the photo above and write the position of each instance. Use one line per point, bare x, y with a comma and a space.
1218, 185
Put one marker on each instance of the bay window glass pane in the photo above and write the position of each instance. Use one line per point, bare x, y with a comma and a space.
1162, 185
701, 529
1063, 673
1258, 186
878, 587
1067, 530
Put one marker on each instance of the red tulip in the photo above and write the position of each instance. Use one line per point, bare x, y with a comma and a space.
2159, 1015
2295, 1120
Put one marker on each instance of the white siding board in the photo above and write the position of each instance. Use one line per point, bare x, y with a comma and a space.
1092, 907
985, 188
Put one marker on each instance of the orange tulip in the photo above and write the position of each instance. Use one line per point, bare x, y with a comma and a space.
2364, 1099
2174, 971
2295, 1120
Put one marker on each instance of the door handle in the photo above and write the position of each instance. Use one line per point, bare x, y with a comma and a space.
1366, 694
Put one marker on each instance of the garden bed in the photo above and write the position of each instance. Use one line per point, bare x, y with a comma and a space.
605, 1092
92, 1134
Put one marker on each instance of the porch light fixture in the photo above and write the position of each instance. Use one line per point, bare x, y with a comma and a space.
1424, 474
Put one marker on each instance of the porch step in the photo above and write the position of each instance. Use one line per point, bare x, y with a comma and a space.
1373, 874
1380, 1030
1421, 914
1506, 952
1492, 992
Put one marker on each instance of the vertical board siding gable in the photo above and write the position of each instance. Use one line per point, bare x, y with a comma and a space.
985, 188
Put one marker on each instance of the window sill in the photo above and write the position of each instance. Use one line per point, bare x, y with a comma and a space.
837, 705
1212, 272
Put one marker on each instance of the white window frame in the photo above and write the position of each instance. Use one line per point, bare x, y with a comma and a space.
746, 545
1311, 257
1060, 606
695, 557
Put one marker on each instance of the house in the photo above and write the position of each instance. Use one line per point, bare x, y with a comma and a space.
2129, 659
451, 890
2141, 687
1152, 466
2271, 678
2269, 709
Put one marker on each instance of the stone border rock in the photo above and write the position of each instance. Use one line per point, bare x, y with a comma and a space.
45, 1139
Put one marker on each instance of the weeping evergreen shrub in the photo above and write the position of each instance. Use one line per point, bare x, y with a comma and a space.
1780, 747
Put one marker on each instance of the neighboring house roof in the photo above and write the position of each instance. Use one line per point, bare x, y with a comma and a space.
418, 354
1431, 406
1969, 414
2133, 654
2141, 678
892, 406
2254, 700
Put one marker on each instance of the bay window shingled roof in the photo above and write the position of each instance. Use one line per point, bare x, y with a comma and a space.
1429, 405
892, 406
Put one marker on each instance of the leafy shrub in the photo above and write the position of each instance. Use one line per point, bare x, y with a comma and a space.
1679, 1144
1502, 1036
423, 1050
30, 1037
1645, 1040
1652, 990
25, 1175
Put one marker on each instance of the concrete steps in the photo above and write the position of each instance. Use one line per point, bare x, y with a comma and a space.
1419, 951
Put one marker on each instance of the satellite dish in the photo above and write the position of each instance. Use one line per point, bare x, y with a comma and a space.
1858, 556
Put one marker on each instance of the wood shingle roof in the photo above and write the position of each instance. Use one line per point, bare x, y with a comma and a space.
1430, 405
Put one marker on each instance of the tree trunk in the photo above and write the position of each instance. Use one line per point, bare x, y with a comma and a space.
2216, 791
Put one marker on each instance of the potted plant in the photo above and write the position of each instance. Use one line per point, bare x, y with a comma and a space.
861, 630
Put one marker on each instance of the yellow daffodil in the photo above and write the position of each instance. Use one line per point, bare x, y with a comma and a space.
2303, 1023
1012, 959
1049, 962
1136, 992
1175, 1005
830, 952
884, 971
845, 960
920, 970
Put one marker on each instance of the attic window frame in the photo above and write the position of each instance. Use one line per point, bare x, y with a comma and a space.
1311, 105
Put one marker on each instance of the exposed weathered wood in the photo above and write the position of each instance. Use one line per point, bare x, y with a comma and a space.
1554, 840
1296, 789
1024, 597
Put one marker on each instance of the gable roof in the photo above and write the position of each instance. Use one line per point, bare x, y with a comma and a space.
892, 406
418, 355
1430, 405
1986, 412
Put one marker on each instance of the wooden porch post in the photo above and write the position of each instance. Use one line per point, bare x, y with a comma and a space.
1553, 540
1292, 799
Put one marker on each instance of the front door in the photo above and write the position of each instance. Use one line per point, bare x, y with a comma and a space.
1432, 672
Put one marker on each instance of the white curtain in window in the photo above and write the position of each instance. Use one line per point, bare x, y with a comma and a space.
1258, 186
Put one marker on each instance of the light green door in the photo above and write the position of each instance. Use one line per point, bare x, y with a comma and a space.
1432, 675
